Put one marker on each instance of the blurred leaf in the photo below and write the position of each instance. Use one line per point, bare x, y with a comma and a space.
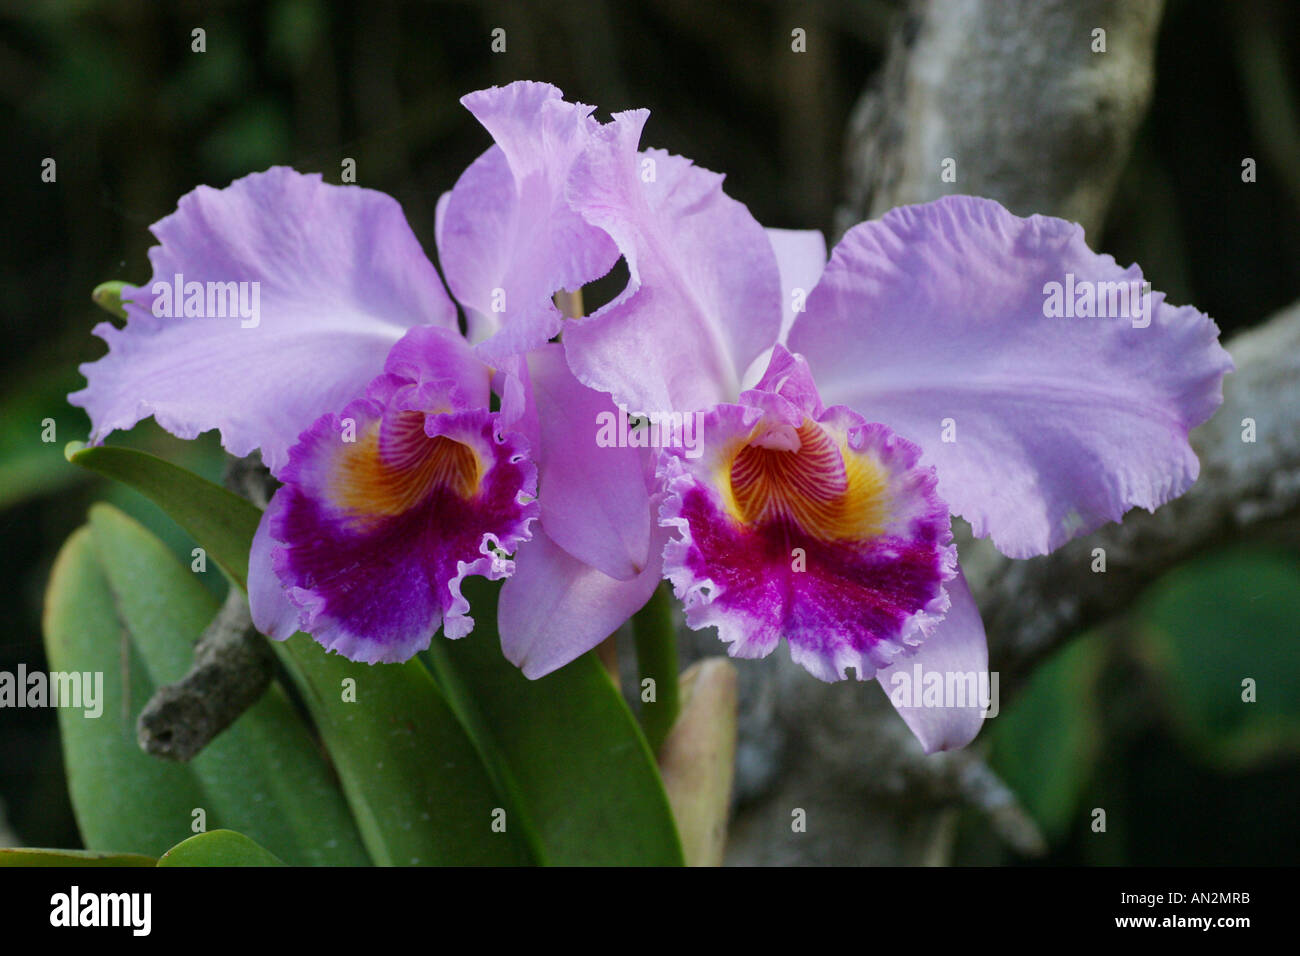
219, 848
565, 746
1044, 745
1266, 75
254, 135
121, 606
29, 465
22, 856
206, 82
88, 84
1213, 623
294, 29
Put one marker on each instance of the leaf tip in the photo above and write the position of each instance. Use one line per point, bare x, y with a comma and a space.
108, 296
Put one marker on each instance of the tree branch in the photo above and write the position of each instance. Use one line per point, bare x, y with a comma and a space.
1011, 91
232, 668
233, 664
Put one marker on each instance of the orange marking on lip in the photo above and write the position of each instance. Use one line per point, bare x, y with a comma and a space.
391, 469
824, 489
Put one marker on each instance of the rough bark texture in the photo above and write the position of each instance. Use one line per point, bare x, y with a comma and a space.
233, 665
1011, 90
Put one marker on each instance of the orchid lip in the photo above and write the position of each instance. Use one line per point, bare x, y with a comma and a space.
801, 477
398, 465
809, 524
386, 508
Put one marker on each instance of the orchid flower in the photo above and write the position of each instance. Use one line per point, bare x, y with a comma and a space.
599, 537
354, 381
927, 376
931, 374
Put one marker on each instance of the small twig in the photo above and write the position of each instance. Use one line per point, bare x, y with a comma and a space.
233, 664
232, 668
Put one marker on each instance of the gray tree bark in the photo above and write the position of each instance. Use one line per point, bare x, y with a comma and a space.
1013, 94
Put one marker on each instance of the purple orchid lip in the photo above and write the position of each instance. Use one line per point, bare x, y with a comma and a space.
798, 479
387, 507
809, 524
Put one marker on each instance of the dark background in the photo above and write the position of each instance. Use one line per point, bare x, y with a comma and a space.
1143, 716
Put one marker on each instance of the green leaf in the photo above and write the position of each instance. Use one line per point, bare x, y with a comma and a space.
34, 407
655, 634
120, 605
565, 747
562, 755
219, 848
1209, 626
414, 781
23, 856
223, 522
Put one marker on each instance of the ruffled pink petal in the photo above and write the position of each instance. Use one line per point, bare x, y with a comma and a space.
807, 524
507, 239
704, 295
331, 277
937, 320
388, 506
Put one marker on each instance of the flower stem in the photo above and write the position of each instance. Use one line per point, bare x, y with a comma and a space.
656, 658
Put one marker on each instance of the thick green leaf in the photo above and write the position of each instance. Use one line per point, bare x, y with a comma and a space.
414, 781
23, 856
119, 604
566, 746
222, 522
567, 761
219, 848
1213, 624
